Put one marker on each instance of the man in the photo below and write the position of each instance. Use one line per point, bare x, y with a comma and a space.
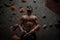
28, 25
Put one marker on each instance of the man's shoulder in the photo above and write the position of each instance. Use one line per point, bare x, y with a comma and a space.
33, 16
24, 16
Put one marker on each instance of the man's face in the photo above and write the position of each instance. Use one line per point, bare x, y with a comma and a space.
29, 10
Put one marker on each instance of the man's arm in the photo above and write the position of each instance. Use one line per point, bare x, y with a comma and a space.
20, 24
36, 28
20, 27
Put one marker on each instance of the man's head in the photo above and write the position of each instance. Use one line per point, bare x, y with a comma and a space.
29, 10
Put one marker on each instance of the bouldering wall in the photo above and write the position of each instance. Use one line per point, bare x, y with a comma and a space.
53, 5
10, 9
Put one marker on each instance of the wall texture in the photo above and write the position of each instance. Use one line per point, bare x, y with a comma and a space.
45, 17
54, 5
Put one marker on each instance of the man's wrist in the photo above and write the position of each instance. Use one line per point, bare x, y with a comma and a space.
31, 31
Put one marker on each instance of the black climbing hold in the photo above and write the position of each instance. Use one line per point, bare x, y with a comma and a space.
20, 7
13, 14
34, 1
58, 20
57, 25
10, 0
6, 5
29, 6
50, 25
1, 6
44, 17
0, 13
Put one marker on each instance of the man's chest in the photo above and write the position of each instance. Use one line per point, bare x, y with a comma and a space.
28, 18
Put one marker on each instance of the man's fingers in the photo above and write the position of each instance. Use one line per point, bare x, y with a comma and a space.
26, 34
24, 31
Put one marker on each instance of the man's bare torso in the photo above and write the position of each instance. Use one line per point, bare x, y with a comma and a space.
28, 21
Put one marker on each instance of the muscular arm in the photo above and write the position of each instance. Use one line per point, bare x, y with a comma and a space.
20, 24
36, 27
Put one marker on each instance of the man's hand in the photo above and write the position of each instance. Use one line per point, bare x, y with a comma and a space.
24, 31
27, 34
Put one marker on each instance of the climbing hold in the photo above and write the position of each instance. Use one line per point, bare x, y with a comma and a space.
1, 22
34, 1
1, 6
13, 8
24, 1
57, 25
14, 27
10, 0
22, 9
58, 20
50, 25
7, 5
13, 14
0, 13
44, 17
44, 26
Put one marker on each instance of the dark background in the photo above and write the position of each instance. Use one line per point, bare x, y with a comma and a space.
45, 17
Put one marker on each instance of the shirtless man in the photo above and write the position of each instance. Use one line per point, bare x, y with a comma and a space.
29, 24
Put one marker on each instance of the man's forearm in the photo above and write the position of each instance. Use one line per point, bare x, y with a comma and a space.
36, 27
20, 27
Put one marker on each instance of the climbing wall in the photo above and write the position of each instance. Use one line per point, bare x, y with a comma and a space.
10, 9
53, 5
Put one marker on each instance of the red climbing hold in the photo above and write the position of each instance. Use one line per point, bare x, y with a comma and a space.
24, 1
22, 10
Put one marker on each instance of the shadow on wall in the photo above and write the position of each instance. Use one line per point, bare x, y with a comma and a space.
54, 5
